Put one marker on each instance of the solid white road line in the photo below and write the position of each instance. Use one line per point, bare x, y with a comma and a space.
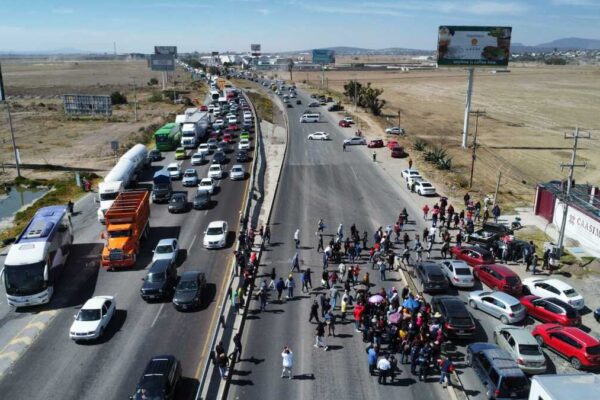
192, 244
157, 314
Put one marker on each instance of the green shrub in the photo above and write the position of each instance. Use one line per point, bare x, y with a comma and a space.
155, 97
445, 164
118, 98
420, 145
153, 82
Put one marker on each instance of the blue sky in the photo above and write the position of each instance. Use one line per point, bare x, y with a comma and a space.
220, 25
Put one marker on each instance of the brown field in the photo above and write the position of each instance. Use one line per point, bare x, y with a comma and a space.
528, 111
45, 135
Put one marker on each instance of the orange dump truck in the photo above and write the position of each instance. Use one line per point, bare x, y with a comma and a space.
127, 223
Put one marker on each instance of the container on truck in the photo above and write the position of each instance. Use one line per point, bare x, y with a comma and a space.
127, 223
582, 386
194, 129
161, 186
121, 176
35, 260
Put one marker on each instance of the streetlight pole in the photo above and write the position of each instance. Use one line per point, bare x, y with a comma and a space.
135, 113
473, 157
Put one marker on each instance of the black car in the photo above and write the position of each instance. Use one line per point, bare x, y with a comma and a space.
154, 155
160, 379
223, 146
314, 104
432, 277
242, 156
488, 234
218, 157
190, 288
178, 202
289, 105
335, 107
298, 101
202, 200
160, 280
456, 319
515, 249
597, 314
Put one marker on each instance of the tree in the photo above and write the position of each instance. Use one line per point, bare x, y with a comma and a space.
192, 62
351, 89
290, 67
152, 82
118, 98
369, 99
213, 70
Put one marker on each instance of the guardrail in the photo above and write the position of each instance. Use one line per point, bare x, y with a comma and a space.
204, 379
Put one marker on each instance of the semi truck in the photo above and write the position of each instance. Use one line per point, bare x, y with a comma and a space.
121, 176
161, 186
127, 223
581, 386
194, 129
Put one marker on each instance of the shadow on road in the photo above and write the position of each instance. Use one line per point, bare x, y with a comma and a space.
187, 389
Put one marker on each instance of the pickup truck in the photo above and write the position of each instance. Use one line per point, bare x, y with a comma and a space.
489, 233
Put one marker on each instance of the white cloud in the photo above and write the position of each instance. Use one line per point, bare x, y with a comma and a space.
264, 11
346, 9
495, 8
62, 11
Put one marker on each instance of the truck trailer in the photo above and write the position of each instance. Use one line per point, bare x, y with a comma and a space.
127, 223
581, 386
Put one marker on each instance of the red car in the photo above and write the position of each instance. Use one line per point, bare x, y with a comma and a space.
581, 349
391, 144
551, 309
499, 277
472, 255
232, 127
375, 143
344, 124
203, 108
227, 138
398, 152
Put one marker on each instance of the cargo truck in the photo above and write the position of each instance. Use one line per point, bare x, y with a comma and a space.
194, 129
583, 386
161, 186
127, 223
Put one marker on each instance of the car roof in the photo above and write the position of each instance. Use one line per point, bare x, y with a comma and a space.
216, 224
502, 269
206, 180
237, 166
457, 263
431, 267
94, 303
190, 170
159, 365
521, 335
173, 164
159, 265
557, 284
557, 302
190, 275
580, 335
165, 241
215, 166
504, 297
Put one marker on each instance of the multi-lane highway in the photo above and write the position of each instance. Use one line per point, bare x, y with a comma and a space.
54, 367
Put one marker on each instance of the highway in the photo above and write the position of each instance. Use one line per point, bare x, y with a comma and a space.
54, 367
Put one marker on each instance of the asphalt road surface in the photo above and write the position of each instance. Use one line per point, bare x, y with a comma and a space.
319, 180
54, 367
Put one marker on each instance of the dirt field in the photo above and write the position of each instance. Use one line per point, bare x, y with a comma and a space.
45, 135
528, 111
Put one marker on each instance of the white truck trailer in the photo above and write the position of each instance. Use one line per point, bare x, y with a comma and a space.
581, 386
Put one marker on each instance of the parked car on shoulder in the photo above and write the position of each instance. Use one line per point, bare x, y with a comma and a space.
498, 304
522, 347
375, 143
551, 309
410, 173
398, 152
544, 288
489, 232
394, 131
424, 188
318, 136
581, 349
499, 277
356, 140
344, 124
457, 321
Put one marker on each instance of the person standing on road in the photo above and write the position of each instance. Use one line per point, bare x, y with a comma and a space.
446, 368
344, 146
357, 312
304, 280
384, 366
496, 212
223, 363
374, 156
295, 263
330, 321
425, 212
372, 353
290, 284
262, 295
364, 240
297, 237
342, 269
382, 267
314, 312
237, 351
340, 232
334, 297
287, 360
320, 337
320, 226
320, 243
279, 286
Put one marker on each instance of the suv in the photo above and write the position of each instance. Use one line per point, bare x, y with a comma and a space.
500, 278
488, 234
160, 280
501, 376
160, 379
457, 320
431, 276
580, 348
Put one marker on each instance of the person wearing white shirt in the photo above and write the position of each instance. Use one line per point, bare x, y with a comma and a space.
287, 357
384, 366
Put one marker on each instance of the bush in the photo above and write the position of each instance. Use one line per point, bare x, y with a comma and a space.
155, 97
445, 164
187, 102
420, 145
118, 98
153, 82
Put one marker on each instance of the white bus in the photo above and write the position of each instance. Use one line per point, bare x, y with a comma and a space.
35, 260
313, 117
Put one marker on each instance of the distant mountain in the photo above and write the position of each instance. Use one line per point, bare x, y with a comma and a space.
64, 50
349, 51
572, 44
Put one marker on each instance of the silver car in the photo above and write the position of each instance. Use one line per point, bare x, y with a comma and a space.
498, 304
458, 273
522, 347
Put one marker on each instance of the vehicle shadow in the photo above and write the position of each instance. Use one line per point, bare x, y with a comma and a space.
117, 322
210, 292
181, 257
187, 388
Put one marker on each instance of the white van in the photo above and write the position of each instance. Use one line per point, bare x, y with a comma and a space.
310, 118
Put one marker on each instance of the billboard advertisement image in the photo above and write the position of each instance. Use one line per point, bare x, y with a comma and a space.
473, 45
322, 56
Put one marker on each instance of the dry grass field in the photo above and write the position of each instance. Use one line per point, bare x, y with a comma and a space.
528, 111
45, 135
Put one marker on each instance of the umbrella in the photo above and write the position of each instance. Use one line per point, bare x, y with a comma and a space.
360, 287
411, 304
376, 299
394, 318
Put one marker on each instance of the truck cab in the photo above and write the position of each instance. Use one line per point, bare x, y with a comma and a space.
161, 187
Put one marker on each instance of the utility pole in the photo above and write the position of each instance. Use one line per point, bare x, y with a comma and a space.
497, 187
473, 156
135, 100
572, 165
355, 94
12, 131
399, 118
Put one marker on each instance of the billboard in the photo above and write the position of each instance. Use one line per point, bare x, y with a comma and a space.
321, 56
79, 104
214, 53
159, 62
166, 50
473, 45
255, 48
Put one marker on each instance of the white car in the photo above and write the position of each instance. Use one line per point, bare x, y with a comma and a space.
237, 172
215, 171
207, 185
93, 318
244, 144
458, 273
355, 141
318, 136
204, 149
198, 158
166, 249
394, 130
232, 120
349, 120
424, 188
411, 179
174, 171
218, 124
190, 177
545, 288
409, 173
215, 236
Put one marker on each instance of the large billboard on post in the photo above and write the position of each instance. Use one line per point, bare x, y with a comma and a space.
162, 62
166, 50
473, 45
323, 56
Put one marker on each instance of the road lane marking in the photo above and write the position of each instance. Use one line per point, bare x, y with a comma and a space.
11, 355
157, 314
37, 325
26, 340
192, 244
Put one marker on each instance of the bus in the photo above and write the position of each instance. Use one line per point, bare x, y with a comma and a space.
168, 138
35, 260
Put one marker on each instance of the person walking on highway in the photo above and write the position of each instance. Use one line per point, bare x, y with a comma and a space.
425, 212
334, 296
342, 269
330, 321
237, 352
297, 237
364, 240
383, 366
321, 226
446, 368
314, 312
290, 284
279, 286
372, 353
374, 156
344, 146
287, 360
267, 235
262, 296
382, 267
340, 232
496, 212
320, 337
295, 263
320, 243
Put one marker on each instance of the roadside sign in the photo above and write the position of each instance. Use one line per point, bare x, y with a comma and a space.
160, 62
473, 45
83, 104
323, 56
2, 95
166, 50
214, 53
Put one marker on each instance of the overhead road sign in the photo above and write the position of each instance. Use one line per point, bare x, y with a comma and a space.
323, 56
166, 50
78, 104
159, 62
473, 45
